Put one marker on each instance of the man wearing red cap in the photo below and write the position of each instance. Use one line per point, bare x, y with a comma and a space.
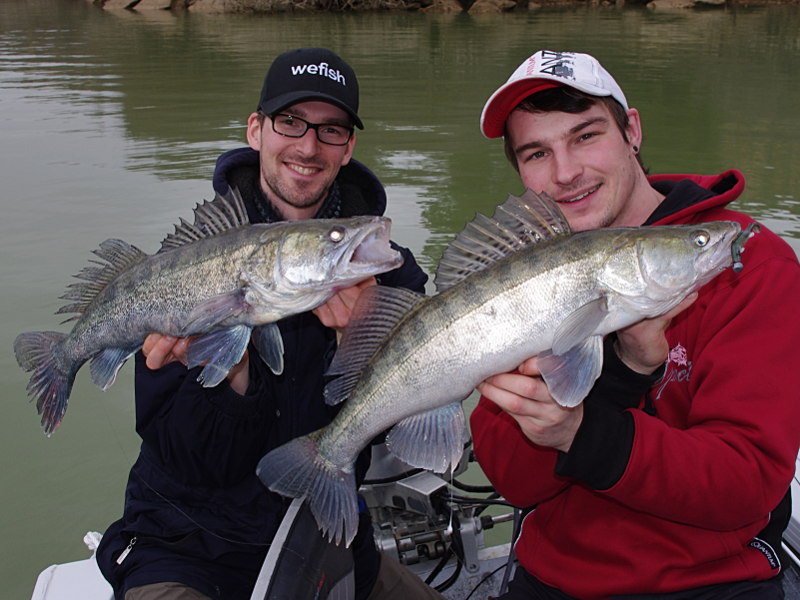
671, 479
198, 522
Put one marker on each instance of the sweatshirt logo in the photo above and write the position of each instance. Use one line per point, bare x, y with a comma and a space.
768, 552
679, 368
321, 70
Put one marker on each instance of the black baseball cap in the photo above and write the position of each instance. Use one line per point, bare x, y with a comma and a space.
310, 74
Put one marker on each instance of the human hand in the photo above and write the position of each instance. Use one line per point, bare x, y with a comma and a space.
160, 350
524, 395
335, 313
643, 347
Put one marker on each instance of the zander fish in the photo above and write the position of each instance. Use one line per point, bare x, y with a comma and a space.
216, 278
511, 287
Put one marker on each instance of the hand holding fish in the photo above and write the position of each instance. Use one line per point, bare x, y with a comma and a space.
525, 396
643, 346
160, 350
335, 313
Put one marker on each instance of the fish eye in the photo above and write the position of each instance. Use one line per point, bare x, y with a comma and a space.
336, 234
701, 239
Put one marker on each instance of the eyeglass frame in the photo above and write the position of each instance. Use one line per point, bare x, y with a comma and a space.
309, 125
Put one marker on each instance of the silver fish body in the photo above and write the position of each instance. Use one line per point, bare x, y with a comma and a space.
216, 279
555, 299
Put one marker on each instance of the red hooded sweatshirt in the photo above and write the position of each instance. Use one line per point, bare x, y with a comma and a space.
672, 487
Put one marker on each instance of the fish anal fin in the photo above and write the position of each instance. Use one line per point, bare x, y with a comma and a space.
106, 364
432, 440
570, 376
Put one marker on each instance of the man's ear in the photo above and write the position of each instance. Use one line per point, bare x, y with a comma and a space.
634, 128
351, 144
255, 124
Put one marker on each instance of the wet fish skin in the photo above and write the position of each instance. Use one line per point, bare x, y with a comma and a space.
500, 304
217, 279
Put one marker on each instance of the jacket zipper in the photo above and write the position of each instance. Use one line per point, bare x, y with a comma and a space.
124, 554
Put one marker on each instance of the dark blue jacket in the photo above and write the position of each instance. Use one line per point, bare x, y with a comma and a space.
199, 514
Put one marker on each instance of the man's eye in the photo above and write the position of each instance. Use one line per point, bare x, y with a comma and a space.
287, 121
533, 156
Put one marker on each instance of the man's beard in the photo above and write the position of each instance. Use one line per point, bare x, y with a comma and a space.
291, 197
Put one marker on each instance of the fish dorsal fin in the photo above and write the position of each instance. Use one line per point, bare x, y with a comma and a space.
520, 222
377, 311
221, 214
119, 256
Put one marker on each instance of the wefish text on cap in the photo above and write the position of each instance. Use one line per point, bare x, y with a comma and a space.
310, 74
547, 69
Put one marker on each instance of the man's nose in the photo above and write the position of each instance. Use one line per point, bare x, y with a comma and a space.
565, 167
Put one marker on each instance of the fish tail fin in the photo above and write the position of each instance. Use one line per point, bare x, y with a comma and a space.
36, 351
297, 470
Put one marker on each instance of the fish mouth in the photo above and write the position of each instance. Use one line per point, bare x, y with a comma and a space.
369, 251
728, 249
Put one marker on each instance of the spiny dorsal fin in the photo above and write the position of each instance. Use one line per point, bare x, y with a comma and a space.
221, 214
377, 311
119, 256
520, 222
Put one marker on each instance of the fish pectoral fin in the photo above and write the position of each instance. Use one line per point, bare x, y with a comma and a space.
570, 376
214, 311
106, 364
269, 343
579, 325
432, 440
219, 351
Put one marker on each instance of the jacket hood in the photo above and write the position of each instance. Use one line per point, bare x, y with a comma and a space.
362, 192
694, 194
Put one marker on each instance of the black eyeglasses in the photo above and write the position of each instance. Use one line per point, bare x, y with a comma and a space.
295, 127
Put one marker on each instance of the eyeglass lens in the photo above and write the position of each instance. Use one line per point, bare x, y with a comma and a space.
327, 133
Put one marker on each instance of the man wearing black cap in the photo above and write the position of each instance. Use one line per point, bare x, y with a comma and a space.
671, 479
198, 522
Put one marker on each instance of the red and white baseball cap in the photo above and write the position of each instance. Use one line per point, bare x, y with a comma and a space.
547, 69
